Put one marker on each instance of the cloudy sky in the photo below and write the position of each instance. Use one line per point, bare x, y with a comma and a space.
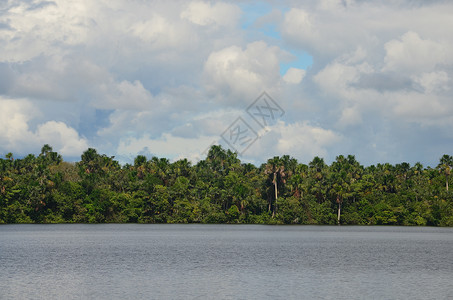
168, 78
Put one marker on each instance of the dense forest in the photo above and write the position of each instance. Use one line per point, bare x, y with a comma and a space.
221, 189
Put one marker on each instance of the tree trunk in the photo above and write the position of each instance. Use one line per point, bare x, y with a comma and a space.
446, 182
339, 211
276, 192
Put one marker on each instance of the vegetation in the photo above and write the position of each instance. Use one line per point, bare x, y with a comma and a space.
221, 189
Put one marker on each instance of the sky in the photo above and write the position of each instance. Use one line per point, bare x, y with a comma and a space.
171, 78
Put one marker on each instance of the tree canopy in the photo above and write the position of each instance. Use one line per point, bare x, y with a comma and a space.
222, 189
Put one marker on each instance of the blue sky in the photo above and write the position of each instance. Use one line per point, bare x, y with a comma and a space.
253, 12
167, 78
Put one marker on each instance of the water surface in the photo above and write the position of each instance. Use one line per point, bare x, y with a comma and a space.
130, 261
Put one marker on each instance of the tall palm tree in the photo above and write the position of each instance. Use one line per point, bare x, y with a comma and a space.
297, 182
338, 176
276, 171
317, 171
344, 174
445, 165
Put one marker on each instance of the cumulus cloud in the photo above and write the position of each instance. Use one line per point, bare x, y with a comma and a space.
42, 27
212, 14
65, 139
294, 75
165, 146
160, 33
245, 72
411, 53
299, 27
350, 116
301, 139
17, 136
305, 140
433, 81
124, 95
158, 77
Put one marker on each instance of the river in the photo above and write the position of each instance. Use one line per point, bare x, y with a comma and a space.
132, 261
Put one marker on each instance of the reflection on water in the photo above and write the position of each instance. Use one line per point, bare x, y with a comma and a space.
224, 262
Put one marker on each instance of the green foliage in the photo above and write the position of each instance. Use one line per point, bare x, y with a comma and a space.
291, 211
221, 189
233, 214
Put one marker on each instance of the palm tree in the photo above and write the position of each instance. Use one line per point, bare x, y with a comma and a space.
139, 165
217, 158
276, 170
445, 165
182, 167
317, 170
344, 174
49, 157
339, 180
160, 166
339, 189
46, 149
417, 177
89, 162
297, 182
9, 156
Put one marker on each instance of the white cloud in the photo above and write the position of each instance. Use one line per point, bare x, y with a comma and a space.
327, 33
299, 27
167, 146
124, 95
411, 53
335, 4
433, 81
244, 73
294, 75
164, 73
350, 116
423, 109
15, 115
160, 33
304, 140
38, 30
301, 140
327, 29
64, 139
337, 78
16, 134
211, 14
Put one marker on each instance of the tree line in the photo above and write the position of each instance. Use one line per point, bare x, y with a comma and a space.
222, 189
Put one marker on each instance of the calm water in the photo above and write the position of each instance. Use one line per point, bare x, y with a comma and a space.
224, 262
